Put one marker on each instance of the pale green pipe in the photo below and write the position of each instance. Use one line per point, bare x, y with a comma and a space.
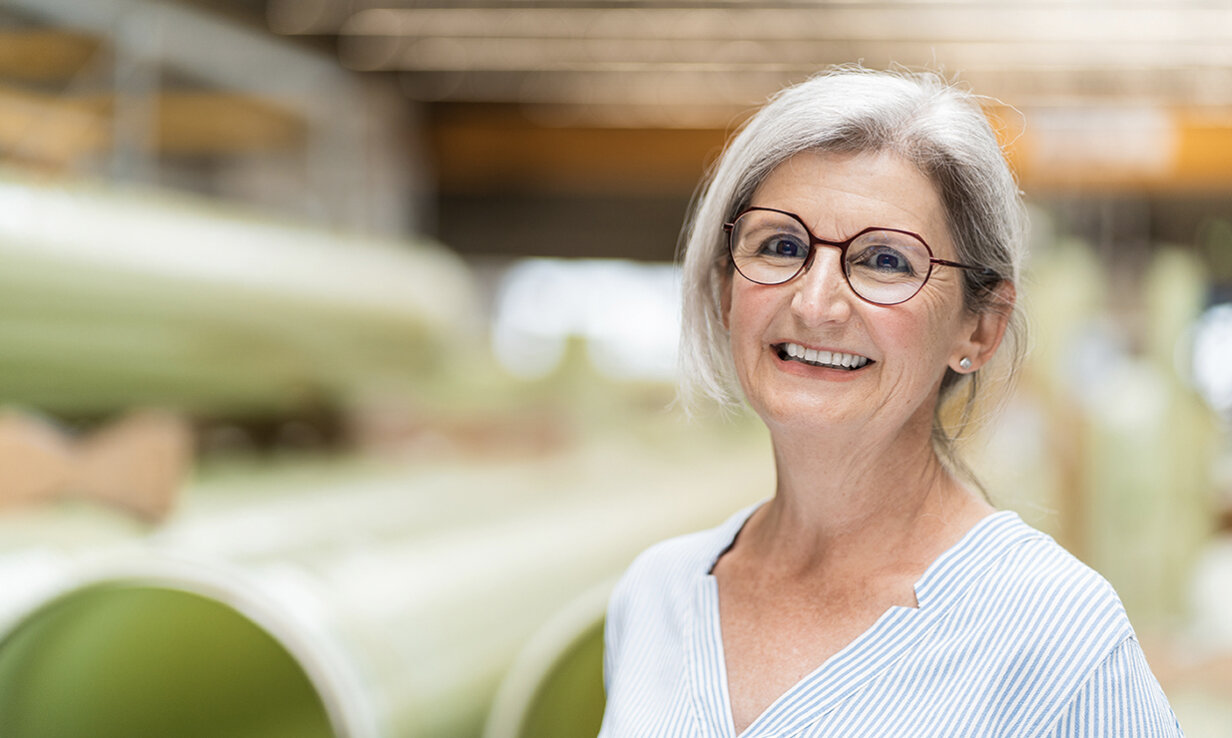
409, 636
554, 689
121, 660
143, 298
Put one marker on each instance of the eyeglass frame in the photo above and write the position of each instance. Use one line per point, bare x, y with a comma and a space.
730, 227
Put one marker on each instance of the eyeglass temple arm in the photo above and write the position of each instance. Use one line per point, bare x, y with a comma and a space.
983, 271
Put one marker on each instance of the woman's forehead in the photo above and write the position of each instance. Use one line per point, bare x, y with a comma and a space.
848, 192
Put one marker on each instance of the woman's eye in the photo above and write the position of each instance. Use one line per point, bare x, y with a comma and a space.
885, 260
784, 247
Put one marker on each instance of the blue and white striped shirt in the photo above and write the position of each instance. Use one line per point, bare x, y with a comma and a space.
1013, 637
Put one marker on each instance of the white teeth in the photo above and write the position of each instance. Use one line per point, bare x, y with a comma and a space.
824, 358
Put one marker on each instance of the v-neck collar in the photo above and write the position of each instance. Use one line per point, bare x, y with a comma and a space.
943, 583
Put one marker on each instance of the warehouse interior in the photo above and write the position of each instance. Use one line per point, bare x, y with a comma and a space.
345, 330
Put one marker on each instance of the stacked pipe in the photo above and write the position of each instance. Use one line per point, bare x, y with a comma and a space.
337, 601
110, 300
384, 606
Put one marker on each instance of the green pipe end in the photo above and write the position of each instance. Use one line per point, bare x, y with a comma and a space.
138, 661
569, 701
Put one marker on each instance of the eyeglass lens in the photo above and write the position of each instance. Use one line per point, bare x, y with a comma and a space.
884, 267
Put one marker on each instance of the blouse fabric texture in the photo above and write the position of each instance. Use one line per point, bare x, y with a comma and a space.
1012, 637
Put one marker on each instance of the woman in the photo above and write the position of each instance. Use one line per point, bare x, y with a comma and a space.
851, 267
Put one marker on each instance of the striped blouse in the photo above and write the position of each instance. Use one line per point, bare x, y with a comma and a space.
1013, 637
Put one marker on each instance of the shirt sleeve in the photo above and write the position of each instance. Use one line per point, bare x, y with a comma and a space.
1120, 698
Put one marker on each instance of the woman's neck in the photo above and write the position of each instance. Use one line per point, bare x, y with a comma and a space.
860, 503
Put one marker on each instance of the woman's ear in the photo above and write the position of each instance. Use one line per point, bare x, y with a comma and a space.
985, 331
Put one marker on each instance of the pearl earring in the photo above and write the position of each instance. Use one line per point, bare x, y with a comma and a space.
965, 364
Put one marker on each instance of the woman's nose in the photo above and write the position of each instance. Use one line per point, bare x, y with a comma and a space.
821, 291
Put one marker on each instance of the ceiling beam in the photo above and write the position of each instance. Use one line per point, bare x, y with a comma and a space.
489, 151
215, 51
36, 55
1069, 22
736, 54
59, 131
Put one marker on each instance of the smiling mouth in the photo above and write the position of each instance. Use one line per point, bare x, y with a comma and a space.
813, 357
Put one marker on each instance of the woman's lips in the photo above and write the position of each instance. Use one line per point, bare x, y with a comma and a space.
820, 357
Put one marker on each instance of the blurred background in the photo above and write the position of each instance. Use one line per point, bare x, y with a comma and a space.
337, 338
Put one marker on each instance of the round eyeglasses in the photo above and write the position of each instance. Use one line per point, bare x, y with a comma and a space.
883, 266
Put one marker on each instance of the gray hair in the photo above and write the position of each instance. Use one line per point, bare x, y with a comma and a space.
917, 115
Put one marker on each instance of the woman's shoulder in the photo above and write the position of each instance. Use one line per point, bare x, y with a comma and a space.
687, 556
1044, 567
1038, 580
1054, 634
668, 571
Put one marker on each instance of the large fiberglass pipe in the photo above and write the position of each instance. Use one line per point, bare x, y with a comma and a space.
170, 653
122, 660
554, 689
350, 632
244, 317
355, 606
145, 656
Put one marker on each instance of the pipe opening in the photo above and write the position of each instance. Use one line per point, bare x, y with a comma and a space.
120, 660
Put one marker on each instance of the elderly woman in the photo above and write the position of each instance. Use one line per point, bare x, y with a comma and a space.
852, 267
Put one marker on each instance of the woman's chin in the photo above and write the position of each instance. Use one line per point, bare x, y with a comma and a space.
806, 410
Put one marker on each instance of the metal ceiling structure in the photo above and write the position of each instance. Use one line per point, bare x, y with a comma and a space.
180, 95
681, 54
482, 106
